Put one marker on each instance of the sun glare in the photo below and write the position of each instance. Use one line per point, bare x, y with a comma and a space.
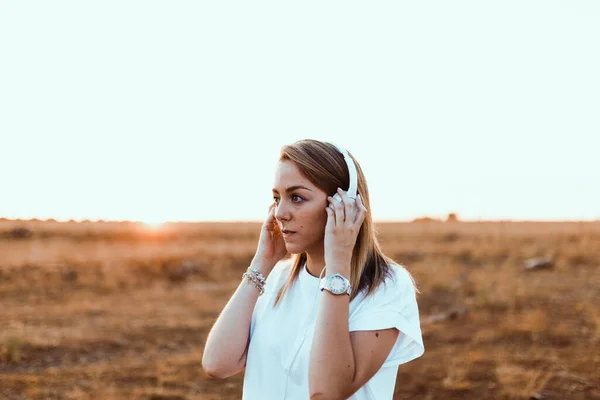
152, 224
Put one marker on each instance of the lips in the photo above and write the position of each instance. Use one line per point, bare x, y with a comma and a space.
287, 233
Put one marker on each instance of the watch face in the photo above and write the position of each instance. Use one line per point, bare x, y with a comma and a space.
337, 284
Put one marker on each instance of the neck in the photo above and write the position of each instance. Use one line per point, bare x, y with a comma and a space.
316, 261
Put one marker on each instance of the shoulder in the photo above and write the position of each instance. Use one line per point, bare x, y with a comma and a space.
395, 295
278, 274
401, 278
283, 264
282, 268
398, 284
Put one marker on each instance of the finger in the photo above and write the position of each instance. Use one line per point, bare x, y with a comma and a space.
358, 210
338, 210
271, 212
330, 219
349, 209
270, 220
340, 216
331, 209
362, 210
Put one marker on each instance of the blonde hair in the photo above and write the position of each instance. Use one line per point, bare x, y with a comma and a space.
323, 165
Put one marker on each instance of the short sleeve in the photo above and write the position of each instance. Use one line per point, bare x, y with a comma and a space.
393, 305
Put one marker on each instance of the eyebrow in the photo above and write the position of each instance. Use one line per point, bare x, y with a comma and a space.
292, 188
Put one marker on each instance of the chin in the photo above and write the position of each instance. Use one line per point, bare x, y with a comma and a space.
293, 248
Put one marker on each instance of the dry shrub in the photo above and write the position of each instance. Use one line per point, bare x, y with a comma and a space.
464, 256
456, 375
500, 290
519, 382
486, 335
449, 237
533, 321
580, 259
592, 311
11, 349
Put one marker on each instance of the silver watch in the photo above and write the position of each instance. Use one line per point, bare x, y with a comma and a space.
336, 284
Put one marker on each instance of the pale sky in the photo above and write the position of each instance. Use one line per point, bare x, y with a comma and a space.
166, 111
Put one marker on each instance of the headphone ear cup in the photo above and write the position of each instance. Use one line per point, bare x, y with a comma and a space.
336, 197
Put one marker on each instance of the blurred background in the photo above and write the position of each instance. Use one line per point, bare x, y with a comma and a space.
138, 142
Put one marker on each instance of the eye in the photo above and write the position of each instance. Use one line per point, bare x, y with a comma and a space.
295, 199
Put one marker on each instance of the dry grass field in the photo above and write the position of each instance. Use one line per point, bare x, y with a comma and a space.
121, 311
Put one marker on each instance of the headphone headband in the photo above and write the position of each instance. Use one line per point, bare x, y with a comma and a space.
353, 188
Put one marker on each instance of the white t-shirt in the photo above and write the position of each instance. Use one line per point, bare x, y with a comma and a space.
281, 337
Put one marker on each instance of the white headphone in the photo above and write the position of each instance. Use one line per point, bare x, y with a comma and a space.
353, 188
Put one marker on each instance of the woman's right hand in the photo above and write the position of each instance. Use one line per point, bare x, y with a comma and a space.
271, 246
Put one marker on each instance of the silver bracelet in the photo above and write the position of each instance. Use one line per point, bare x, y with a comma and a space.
252, 277
257, 273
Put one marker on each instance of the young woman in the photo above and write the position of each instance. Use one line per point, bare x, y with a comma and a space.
336, 319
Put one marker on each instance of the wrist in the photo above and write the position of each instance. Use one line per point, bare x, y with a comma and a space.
339, 268
263, 266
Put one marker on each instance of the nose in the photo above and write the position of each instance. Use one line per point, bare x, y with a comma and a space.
282, 212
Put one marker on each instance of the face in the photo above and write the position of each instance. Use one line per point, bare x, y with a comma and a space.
300, 208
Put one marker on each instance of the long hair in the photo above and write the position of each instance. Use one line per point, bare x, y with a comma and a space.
323, 165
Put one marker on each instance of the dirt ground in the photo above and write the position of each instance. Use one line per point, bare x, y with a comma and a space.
99, 310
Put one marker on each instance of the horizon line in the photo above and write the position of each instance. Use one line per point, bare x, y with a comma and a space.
413, 220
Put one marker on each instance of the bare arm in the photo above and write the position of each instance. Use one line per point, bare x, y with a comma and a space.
341, 362
227, 343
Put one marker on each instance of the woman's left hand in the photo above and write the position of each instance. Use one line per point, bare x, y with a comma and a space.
341, 231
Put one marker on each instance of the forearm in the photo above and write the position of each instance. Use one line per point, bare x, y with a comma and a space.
332, 366
229, 336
